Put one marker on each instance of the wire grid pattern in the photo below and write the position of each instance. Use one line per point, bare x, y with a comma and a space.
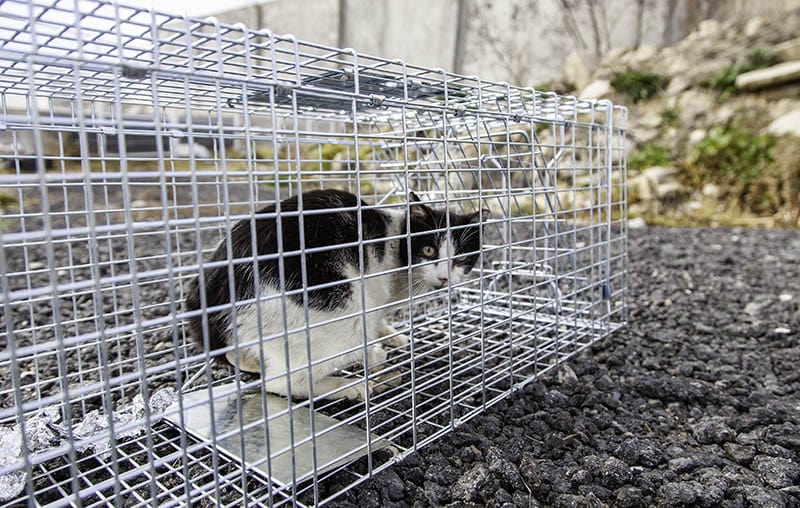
131, 141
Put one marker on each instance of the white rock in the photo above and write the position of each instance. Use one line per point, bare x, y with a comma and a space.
659, 174
644, 136
139, 203
786, 72
575, 70
724, 114
710, 190
788, 123
782, 330
669, 189
782, 106
651, 120
184, 150
677, 85
785, 297
754, 25
339, 162
596, 90
657, 182
644, 52
753, 308
10, 147
695, 104
696, 136
588, 180
708, 27
642, 186
613, 55
566, 376
637, 223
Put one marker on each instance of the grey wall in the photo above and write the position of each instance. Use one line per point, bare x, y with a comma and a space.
521, 41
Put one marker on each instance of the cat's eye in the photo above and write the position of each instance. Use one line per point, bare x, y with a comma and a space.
461, 260
428, 251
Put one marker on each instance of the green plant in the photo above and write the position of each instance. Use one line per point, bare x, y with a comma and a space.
7, 200
671, 117
760, 58
366, 151
725, 81
322, 156
638, 85
327, 153
648, 156
742, 164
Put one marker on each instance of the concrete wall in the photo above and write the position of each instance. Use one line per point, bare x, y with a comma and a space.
524, 42
421, 32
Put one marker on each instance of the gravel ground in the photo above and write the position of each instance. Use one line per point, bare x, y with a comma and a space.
696, 403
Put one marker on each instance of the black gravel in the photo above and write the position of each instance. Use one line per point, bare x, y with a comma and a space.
696, 403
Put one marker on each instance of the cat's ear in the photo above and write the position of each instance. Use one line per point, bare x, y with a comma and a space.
475, 217
417, 208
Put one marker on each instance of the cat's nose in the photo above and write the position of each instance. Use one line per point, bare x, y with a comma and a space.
443, 280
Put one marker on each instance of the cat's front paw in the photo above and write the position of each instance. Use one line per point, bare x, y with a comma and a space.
386, 381
246, 361
399, 340
359, 392
376, 357
392, 337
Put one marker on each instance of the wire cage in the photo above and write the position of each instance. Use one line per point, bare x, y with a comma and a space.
132, 142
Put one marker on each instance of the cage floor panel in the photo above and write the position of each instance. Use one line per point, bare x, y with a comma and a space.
296, 446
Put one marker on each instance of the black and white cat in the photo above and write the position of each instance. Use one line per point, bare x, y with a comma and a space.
439, 256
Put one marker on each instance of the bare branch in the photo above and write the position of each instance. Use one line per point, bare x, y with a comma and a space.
571, 24
639, 22
461, 29
668, 20
595, 29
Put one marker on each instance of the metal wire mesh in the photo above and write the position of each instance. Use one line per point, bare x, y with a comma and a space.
132, 141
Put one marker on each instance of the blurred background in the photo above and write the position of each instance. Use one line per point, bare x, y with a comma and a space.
713, 86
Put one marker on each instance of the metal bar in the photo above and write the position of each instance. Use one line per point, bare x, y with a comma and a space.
144, 149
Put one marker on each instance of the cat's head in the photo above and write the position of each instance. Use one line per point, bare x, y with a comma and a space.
441, 255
